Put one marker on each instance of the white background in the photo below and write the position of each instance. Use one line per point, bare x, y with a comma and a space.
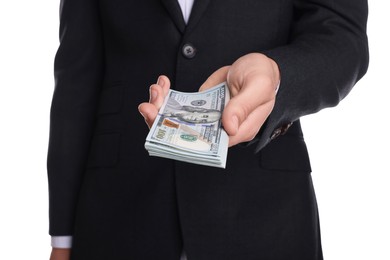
349, 144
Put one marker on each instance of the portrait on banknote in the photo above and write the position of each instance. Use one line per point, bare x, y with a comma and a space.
191, 114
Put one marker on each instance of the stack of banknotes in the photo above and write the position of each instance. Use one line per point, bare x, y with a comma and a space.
188, 127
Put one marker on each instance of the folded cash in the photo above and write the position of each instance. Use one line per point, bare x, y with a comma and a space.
188, 127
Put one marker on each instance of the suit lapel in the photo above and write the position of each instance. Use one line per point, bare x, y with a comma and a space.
174, 11
198, 9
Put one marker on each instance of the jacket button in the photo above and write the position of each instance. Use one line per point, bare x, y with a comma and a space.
189, 51
276, 133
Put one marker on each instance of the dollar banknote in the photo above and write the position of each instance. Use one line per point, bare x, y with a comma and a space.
188, 127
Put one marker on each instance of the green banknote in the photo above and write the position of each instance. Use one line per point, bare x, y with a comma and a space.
189, 128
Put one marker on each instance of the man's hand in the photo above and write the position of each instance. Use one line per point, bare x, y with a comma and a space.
157, 93
252, 81
60, 254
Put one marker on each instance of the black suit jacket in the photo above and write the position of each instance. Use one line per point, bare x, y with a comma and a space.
118, 202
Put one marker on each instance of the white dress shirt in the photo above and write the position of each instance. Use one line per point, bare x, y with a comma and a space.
66, 241
186, 7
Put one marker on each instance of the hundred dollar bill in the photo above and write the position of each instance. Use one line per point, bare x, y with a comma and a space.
188, 127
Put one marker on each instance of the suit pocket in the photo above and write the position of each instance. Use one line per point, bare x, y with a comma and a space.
286, 153
104, 150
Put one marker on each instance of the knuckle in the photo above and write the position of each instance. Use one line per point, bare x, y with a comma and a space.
267, 81
241, 109
250, 136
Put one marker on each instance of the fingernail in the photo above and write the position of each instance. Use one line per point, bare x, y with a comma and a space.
235, 124
153, 96
160, 81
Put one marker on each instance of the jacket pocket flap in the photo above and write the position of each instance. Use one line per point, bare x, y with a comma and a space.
287, 153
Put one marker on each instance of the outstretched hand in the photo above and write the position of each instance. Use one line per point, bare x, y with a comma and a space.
252, 81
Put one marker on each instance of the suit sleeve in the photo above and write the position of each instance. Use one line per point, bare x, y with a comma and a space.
78, 70
326, 55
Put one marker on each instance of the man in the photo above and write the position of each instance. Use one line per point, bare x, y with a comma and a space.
117, 202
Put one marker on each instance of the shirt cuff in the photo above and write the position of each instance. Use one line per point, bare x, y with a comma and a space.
61, 241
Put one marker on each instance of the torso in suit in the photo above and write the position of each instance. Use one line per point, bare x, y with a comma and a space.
119, 203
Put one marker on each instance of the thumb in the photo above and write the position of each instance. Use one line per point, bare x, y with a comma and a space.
251, 105
217, 77
242, 105
232, 117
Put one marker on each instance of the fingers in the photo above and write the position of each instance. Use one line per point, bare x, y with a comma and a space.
149, 112
158, 91
250, 97
217, 77
251, 125
252, 80
164, 83
157, 94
